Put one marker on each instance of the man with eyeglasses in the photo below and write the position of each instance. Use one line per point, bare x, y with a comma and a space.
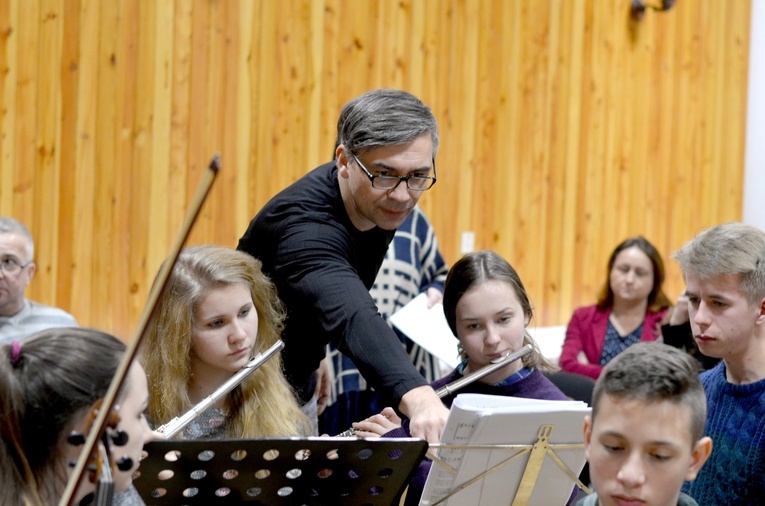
322, 241
20, 317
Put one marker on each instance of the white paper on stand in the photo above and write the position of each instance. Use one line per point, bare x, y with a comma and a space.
493, 420
428, 328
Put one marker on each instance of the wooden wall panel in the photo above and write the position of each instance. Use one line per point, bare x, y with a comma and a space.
565, 127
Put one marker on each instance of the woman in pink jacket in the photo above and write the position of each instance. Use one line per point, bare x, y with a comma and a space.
630, 309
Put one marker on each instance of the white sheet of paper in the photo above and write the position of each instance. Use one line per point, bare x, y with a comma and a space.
428, 328
493, 420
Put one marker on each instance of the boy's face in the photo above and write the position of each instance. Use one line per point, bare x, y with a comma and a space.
723, 322
640, 453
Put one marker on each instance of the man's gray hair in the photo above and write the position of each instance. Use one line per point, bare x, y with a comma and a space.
382, 118
10, 225
731, 248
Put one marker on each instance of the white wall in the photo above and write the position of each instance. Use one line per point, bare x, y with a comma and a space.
754, 177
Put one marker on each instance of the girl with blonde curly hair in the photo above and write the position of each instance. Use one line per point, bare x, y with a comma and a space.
217, 312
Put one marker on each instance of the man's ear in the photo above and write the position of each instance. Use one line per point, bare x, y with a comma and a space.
31, 269
343, 160
587, 436
701, 451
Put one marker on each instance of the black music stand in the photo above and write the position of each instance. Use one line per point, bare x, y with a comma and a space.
310, 471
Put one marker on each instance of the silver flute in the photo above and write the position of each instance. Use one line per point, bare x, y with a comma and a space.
455, 385
177, 424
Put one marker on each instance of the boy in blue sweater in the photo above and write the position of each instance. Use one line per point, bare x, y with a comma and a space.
724, 270
644, 437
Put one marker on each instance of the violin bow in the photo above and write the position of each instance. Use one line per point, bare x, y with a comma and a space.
99, 424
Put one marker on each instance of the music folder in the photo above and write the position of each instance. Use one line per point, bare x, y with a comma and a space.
508, 450
278, 471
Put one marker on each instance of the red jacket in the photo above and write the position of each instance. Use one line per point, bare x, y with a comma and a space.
587, 331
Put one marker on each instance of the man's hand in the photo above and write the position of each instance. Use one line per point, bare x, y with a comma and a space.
427, 414
323, 388
378, 425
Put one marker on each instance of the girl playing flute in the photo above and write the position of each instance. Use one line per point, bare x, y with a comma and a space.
488, 310
217, 312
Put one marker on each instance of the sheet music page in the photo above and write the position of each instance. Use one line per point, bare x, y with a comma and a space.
459, 430
428, 328
492, 420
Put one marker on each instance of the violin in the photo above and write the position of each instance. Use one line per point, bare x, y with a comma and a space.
101, 465
94, 444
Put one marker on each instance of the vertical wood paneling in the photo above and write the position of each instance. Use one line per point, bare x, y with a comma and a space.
465, 212
8, 70
65, 148
131, 202
83, 198
46, 139
26, 110
564, 127
107, 276
180, 74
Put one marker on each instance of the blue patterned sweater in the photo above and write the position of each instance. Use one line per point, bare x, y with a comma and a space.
735, 472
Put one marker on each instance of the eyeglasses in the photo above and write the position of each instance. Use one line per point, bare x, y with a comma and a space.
415, 183
11, 266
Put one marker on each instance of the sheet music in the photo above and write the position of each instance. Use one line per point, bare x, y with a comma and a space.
428, 328
485, 420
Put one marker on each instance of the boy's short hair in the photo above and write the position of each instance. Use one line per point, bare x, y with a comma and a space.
654, 372
730, 248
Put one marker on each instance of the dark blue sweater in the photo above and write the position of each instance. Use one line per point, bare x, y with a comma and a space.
735, 472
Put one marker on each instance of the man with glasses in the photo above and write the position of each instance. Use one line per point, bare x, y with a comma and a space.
20, 317
322, 241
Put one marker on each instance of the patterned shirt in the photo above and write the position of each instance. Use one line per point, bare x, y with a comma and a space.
615, 344
211, 424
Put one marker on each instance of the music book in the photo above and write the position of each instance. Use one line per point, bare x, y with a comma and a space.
532, 449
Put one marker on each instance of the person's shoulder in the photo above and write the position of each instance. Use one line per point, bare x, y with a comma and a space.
535, 386
316, 181
588, 500
37, 309
686, 500
417, 217
452, 376
311, 198
592, 309
129, 497
656, 316
714, 378
718, 370
547, 389
718, 388
589, 312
